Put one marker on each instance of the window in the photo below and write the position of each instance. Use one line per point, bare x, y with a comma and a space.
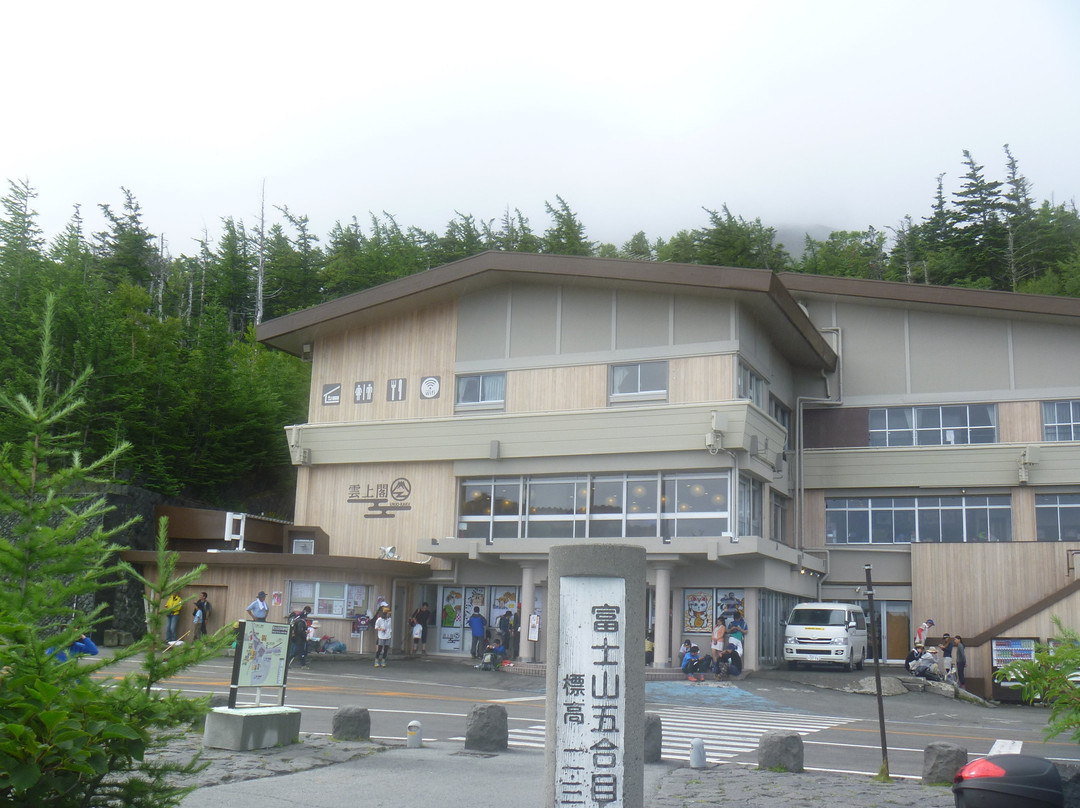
901, 520
634, 505
328, 599
778, 517
1057, 517
641, 381
957, 424
749, 505
750, 385
484, 391
1061, 420
782, 415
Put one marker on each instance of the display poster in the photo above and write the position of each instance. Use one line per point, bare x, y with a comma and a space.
475, 596
262, 655
590, 717
503, 599
534, 628
697, 611
356, 600
730, 602
451, 608
303, 591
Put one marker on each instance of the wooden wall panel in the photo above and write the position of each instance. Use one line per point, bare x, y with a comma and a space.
353, 527
1019, 422
967, 588
813, 519
701, 378
557, 389
409, 346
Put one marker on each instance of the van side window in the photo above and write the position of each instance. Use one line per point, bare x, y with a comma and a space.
860, 621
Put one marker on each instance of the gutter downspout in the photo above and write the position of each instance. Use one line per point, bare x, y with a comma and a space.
800, 480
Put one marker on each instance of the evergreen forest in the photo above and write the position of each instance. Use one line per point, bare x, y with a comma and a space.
171, 339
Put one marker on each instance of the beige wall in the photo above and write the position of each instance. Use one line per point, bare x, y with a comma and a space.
409, 346
432, 507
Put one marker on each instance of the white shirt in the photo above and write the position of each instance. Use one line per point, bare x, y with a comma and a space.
382, 626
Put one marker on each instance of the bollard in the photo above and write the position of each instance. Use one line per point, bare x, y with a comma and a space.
414, 737
697, 754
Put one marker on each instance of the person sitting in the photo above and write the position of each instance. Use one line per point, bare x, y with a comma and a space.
693, 665
494, 654
729, 663
83, 646
913, 657
927, 666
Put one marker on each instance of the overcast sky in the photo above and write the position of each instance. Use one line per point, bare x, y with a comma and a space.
807, 113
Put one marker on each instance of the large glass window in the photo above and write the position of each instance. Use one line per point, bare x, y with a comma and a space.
901, 520
639, 381
751, 385
1061, 420
598, 506
328, 599
482, 391
1057, 517
933, 426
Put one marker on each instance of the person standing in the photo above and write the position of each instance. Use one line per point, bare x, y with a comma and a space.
298, 630
959, 659
718, 644
946, 654
515, 641
506, 624
172, 616
383, 632
478, 626
422, 616
737, 631
920, 633
258, 609
201, 616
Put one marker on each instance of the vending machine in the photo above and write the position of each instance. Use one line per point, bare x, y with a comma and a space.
1004, 650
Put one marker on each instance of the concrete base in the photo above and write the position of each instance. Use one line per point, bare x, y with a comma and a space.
241, 730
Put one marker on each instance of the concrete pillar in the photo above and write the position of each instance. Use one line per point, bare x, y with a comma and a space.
594, 620
527, 649
662, 637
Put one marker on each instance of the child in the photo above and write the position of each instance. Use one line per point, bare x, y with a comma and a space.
417, 635
692, 666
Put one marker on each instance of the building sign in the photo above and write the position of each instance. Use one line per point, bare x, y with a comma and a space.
364, 392
384, 500
331, 394
261, 655
430, 387
395, 389
591, 707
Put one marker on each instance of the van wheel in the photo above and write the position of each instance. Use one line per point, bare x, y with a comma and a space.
848, 666
862, 659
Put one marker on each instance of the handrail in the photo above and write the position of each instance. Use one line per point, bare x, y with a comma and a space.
1022, 615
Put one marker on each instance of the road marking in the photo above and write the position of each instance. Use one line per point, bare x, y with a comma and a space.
1004, 747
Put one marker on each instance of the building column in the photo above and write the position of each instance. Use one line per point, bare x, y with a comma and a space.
527, 649
662, 630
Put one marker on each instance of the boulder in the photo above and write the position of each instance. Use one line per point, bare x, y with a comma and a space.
781, 751
486, 728
352, 723
890, 686
941, 762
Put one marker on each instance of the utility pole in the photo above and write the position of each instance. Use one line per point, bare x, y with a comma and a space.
882, 775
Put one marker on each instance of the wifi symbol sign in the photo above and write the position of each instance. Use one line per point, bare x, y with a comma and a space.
430, 386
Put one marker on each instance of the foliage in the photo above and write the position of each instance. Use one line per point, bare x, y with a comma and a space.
1052, 677
70, 735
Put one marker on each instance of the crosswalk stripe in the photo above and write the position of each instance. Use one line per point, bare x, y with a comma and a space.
725, 733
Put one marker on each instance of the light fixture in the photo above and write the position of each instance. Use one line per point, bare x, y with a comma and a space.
389, 553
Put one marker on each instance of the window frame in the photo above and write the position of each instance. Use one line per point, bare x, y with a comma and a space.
950, 519
481, 403
651, 394
751, 385
932, 425
1053, 428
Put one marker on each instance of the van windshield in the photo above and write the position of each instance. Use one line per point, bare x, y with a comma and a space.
817, 617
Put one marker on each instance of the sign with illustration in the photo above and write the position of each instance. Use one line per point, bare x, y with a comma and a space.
697, 611
331, 394
395, 389
384, 499
451, 608
364, 392
430, 387
729, 603
261, 654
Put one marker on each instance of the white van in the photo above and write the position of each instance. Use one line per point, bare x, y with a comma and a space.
825, 632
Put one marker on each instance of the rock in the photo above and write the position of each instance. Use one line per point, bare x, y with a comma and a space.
942, 689
890, 686
351, 723
654, 737
941, 762
780, 751
486, 728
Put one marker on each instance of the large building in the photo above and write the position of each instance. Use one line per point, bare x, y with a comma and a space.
763, 436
